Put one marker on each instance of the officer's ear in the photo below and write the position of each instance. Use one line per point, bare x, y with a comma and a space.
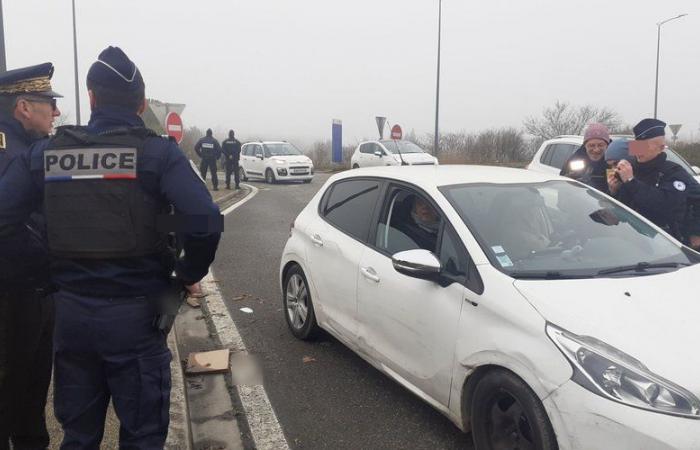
93, 102
142, 108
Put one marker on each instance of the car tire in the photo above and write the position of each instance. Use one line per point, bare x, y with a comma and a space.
506, 414
269, 177
298, 307
355, 166
242, 174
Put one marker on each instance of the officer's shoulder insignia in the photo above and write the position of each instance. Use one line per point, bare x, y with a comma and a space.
679, 185
2, 141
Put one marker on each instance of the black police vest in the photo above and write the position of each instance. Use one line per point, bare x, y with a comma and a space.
93, 201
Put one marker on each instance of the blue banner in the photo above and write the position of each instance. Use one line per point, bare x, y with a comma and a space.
337, 143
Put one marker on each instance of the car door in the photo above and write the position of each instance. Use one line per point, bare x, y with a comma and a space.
337, 241
256, 162
409, 324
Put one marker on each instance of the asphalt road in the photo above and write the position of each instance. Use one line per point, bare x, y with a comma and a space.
324, 395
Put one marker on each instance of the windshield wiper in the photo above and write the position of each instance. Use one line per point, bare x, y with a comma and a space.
544, 275
642, 267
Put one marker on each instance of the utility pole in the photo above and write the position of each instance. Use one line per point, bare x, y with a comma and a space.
658, 51
436, 145
75, 62
3, 63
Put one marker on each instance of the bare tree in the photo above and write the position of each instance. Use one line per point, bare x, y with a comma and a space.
564, 118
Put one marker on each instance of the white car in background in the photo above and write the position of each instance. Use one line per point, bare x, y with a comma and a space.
390, 153
528, 308
275, 161
552, 155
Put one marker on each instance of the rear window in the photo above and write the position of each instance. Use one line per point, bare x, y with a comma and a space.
560, 154
350, 206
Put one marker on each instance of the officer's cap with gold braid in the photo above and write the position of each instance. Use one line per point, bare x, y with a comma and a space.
32, 80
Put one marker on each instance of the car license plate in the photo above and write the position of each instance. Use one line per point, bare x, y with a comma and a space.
300, 171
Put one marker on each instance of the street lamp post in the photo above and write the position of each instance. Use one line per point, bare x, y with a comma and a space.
437, 89
75, 62
658, 49
3, 63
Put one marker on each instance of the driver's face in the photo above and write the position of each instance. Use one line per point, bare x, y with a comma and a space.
424, 211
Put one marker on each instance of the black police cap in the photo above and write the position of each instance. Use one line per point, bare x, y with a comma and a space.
32, 80
649, 129
114, 70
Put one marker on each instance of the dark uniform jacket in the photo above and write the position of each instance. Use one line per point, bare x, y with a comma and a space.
24, 257
659, 192
593, 173
208, 148
165, 173
231, 149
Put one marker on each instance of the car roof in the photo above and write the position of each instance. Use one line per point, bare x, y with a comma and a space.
429, 177
266, 142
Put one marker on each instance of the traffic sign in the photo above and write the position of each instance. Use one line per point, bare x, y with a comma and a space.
380, 125
396, 133
173, 126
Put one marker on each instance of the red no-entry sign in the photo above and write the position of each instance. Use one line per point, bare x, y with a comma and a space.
396, 132
173, 126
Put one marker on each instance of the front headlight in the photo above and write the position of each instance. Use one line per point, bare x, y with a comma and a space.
279, 161
608, 372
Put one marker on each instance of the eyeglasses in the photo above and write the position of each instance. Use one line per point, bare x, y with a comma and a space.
49, 100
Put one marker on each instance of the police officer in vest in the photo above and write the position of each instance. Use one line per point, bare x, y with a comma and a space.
653, 186
27, 111
209, 150
107, 190
231, 149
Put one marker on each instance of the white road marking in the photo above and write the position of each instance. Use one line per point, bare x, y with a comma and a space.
262, 420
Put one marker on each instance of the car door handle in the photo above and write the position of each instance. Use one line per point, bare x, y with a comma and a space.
316, 239
370, 274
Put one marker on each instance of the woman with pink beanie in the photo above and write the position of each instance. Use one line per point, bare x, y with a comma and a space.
587, 164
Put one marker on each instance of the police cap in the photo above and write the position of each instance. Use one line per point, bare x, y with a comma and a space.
649, 129
32, 80
114, 70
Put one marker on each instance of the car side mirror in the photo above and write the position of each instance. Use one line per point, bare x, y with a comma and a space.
261, 157
378, 153
696, 169
417, 263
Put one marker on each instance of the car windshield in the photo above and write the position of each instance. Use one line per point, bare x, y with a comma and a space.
676, 158
281, 149
401, 146
561, 229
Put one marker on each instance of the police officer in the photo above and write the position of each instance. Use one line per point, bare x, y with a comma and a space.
587, 164
653, 186
231, 149
209, 150
107, 189
27, 111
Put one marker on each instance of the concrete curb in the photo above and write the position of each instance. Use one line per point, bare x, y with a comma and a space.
199, 410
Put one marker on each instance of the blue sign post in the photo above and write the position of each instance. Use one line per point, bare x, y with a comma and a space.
337, 143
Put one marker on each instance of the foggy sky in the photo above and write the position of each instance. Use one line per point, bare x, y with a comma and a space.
283, 69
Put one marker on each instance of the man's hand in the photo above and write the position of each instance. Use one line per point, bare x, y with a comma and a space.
195, 290
614, 183
624, 169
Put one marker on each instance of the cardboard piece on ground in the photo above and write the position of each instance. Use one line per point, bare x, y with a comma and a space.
216, 361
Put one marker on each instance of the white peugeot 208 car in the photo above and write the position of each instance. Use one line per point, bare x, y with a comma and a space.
528, 308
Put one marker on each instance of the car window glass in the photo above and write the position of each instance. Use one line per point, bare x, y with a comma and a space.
560, 154
408, 222
258, 150
452, 258
547, 155
366, 148
350, 206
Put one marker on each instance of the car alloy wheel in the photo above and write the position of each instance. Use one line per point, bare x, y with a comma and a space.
299, 310
269, 177
507, 415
